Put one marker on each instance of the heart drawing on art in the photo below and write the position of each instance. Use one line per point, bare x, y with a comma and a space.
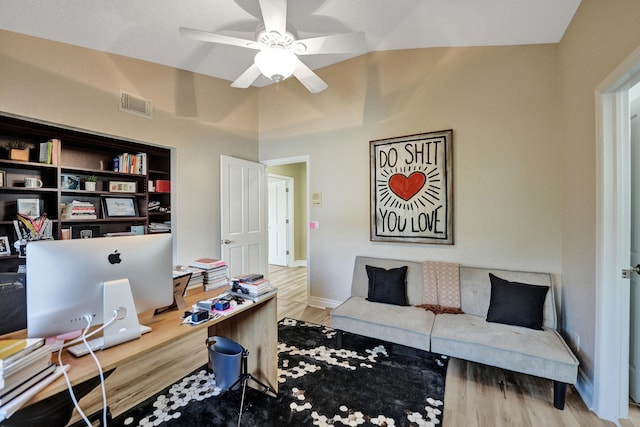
407, 187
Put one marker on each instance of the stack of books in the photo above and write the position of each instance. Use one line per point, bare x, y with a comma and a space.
79, 210
24, 363
160, 227
254, 285
197, 278
214, 272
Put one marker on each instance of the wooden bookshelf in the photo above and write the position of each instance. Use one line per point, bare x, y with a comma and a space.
79, 154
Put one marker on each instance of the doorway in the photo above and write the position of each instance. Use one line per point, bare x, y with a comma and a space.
613, 236
634, 337
281, 219
294, 171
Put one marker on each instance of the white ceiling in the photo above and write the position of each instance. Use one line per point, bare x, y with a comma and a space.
148, 29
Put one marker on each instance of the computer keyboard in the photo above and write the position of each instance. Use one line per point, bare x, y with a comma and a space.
96, 344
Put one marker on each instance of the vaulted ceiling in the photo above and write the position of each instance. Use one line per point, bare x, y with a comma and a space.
148, 29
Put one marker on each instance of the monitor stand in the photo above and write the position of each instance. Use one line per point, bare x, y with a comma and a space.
118, 298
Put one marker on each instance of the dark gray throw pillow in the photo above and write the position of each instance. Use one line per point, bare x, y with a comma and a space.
387, 286
517, 304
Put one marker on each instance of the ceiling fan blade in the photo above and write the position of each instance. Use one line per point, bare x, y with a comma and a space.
217, 38
247, 78
338, 43
274, 14
309, 79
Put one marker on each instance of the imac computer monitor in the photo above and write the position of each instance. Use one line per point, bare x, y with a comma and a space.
68, 280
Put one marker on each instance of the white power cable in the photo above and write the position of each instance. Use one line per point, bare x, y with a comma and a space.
83, 337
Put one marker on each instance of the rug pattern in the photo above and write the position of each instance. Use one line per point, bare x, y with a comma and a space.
367, 382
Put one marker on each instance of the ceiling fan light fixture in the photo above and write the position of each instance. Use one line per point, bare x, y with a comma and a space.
276, 63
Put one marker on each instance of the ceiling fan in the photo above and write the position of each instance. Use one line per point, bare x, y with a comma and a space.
278, 48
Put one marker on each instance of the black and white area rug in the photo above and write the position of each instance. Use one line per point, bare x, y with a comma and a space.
366, 383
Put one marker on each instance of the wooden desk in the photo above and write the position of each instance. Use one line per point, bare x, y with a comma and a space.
169, 352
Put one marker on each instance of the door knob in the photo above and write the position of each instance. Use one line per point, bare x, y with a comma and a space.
226, 241
626, 274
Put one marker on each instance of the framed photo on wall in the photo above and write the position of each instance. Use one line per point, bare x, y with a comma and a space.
412, 188
115, 207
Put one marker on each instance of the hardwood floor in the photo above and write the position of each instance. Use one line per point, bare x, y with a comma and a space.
292, 295
475, 395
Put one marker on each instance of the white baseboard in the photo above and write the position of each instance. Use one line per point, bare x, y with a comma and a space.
322, 302
299, 263
584, 386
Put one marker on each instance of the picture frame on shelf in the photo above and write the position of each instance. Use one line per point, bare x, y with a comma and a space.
84, 231
5, 248
69, 182
123, 186
29, 207
119, 207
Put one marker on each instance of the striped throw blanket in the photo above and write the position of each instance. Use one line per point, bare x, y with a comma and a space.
441, 293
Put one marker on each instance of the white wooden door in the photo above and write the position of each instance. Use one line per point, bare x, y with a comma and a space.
279, 219
634, 338
243, 216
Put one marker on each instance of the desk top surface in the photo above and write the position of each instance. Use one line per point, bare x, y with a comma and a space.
166, 327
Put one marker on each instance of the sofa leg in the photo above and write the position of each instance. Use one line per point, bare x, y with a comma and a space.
339, 337
559, 394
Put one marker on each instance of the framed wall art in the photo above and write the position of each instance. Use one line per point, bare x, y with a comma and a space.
412, 188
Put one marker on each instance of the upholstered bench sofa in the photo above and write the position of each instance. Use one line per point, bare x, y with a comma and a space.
540, 352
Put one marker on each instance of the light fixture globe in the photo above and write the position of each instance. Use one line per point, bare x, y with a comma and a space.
276, 63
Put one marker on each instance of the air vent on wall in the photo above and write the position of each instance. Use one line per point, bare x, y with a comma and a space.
135, 105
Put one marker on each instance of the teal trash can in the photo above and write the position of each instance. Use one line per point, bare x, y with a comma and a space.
225, 357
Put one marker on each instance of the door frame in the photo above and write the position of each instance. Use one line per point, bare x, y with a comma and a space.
610, 398
306, 160
290, 216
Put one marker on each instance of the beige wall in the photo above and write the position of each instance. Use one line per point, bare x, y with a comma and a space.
297, 171
503, 104
80, 87
601, 35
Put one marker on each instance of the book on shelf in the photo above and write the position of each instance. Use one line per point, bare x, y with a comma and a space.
208, 263
7, 395
13, 349
131, 163
44, 154
48, 152
159, 227
79, 210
